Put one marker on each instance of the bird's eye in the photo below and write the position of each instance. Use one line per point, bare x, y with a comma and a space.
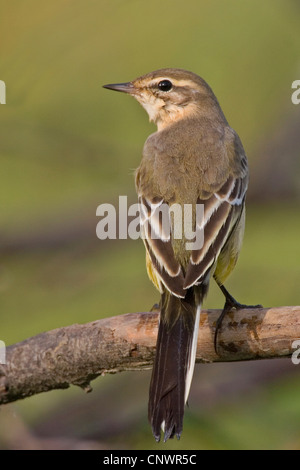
165, 85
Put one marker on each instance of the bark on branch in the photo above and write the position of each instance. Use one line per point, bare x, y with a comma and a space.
78, 354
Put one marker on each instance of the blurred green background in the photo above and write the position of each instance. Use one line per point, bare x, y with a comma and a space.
67, 145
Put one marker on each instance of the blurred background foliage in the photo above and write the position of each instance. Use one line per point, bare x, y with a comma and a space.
67, 145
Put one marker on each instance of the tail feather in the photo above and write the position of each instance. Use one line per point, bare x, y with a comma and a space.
174, 364
192, 356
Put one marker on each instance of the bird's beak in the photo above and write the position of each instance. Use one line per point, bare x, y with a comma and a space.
127, 87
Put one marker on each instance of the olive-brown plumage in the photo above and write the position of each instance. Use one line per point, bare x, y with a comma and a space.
195, 157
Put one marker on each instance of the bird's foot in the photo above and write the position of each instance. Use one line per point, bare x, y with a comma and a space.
230, 304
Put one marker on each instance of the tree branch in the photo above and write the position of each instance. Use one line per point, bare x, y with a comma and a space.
77, 354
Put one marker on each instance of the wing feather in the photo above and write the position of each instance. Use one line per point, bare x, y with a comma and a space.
221, 211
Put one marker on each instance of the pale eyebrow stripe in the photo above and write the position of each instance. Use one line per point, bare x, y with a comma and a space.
175, 82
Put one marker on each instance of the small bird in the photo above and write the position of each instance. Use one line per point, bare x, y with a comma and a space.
195, 157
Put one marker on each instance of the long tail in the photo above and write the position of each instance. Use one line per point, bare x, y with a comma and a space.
174, 363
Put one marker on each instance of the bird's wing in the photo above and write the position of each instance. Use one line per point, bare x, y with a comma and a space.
155, 222
221, 212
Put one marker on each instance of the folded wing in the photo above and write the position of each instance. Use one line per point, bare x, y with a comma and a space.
221, 211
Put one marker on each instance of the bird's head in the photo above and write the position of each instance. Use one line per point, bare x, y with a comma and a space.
170, 94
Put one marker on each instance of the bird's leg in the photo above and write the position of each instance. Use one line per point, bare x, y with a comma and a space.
230, 303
